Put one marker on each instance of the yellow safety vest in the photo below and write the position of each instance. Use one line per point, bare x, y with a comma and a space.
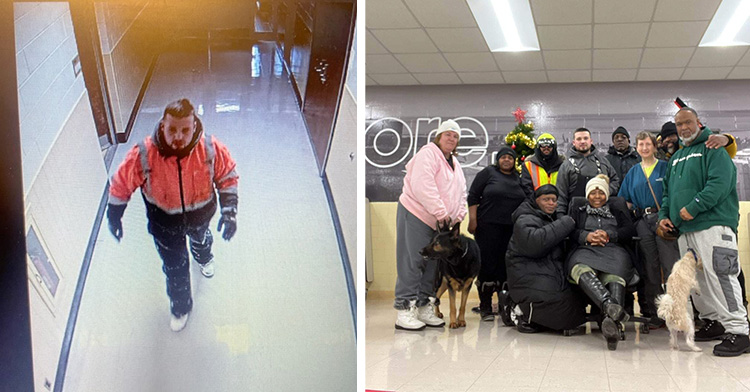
539, 176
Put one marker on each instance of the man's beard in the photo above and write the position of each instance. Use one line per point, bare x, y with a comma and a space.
582, 151
687, 141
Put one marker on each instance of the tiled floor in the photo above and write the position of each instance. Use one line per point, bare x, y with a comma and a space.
487, 356
276, 315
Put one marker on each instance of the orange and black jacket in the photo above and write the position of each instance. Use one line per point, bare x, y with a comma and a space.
178, 186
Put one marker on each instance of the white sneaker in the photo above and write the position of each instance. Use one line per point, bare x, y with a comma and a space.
208, 269
178, 323
426, 314
407, 318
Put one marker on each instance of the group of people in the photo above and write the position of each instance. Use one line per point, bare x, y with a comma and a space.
560, 234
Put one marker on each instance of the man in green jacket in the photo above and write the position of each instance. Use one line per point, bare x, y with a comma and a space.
700, 200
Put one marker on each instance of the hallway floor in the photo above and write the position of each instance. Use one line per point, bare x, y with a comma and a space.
276, 314
488, 356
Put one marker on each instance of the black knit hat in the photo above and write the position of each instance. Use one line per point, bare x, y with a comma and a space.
546, 189
667, 129
621, 130
505, 150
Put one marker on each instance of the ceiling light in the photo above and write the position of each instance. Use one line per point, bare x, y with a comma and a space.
729, 26
507, 25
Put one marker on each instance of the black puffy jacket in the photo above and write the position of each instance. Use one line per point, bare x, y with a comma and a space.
535, 263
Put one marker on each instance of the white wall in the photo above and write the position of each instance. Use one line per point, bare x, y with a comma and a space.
47, 86
63, 169
341, 167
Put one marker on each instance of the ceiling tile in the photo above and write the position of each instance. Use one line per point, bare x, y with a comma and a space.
710, 73
660, 74
616, 58
740, 73
394, 79
717, 56
405, 40
459, 40
561, 12
685, 10
441, 13
433, 62
608, 11
525, 77
471, 62
567, 59
383, 63
675, 34
666, 57
438, 78
481, 77
519, 61
389, 14
614, 75
564, 37
624, 35
569, 76
370, 81
372, 45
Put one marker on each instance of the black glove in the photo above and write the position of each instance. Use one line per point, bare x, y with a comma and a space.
229, 221
114, 216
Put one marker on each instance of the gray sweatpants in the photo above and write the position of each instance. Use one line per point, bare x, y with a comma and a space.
720, 296
416, 276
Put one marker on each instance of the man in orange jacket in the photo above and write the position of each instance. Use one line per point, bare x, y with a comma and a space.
178, 170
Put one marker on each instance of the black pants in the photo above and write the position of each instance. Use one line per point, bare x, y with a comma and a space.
170, 243
657, 255
493, 243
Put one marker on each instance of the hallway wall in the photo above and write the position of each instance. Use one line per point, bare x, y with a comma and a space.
63, 171
341, 168
48, 87
129, 43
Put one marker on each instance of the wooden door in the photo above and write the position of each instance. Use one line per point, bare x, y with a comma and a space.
332, 33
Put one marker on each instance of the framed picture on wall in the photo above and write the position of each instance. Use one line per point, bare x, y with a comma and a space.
43, 271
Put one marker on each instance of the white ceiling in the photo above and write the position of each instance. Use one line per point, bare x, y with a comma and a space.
412, 42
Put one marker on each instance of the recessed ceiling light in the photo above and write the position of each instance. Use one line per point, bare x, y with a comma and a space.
729, 26
507, 25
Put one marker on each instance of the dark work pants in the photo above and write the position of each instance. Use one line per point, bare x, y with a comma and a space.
657, 255
176, 263
493, 243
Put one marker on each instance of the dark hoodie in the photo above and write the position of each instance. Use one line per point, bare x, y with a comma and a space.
167, 151
567, 176
550, 163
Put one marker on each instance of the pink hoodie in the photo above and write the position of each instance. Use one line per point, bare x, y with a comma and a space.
432, 190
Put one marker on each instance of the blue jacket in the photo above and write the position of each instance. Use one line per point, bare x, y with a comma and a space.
635, 190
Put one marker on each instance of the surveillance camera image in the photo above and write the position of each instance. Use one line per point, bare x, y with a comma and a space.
187, 219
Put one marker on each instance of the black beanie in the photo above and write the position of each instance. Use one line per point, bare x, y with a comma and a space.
667, 129
621, 130
546, 189
505, 150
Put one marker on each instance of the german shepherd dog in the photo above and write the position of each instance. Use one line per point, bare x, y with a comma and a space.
458, 266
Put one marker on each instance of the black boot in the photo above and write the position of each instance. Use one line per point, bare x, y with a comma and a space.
505, 305
617, 291
486, 289
611, 311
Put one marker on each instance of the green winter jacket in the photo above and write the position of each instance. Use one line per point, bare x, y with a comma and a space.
704, 181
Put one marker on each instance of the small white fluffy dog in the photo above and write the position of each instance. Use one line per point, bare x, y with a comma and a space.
673, 306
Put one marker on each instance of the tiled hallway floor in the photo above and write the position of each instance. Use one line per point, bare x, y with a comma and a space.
488, 356
276, 315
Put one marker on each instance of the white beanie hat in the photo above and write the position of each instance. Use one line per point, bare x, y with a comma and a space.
600, 182
449, 125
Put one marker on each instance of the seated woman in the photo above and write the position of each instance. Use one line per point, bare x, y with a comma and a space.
535, 262
598, 257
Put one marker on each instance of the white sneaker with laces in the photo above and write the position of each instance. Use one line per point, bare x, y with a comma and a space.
426, 314
407, 318
178, 323
208, 269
